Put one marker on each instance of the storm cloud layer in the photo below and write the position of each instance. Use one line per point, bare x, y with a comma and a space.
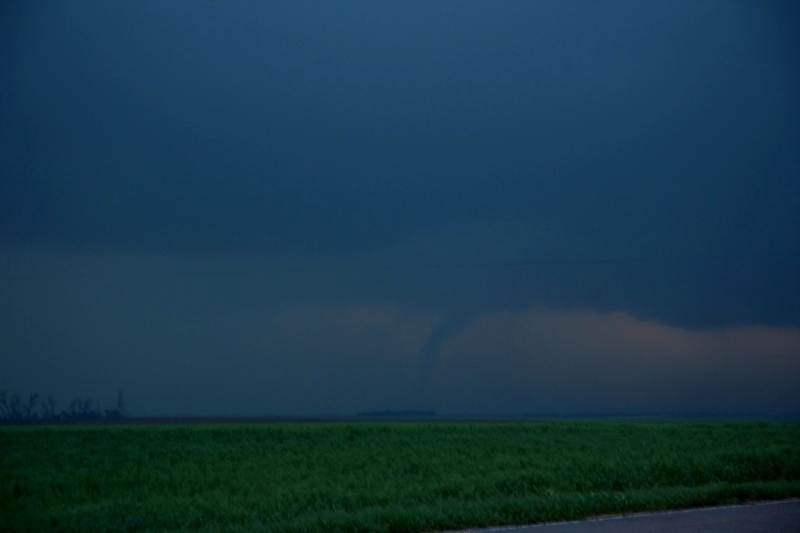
309, 208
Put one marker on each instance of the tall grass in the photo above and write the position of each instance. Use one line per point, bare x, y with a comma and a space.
381, 477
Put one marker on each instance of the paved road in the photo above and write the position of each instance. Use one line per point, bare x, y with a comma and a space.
765, 517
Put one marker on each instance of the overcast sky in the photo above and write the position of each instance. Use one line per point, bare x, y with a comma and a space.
307, 208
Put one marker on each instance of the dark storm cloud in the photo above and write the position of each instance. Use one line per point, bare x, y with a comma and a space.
298, 126
314, 204
189, 347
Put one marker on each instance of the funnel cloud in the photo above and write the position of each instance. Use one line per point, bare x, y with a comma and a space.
445, 329
299, 208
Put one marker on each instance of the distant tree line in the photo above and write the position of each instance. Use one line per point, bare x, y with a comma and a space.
15, 408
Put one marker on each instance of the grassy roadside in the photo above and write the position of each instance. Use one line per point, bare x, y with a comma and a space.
381, 477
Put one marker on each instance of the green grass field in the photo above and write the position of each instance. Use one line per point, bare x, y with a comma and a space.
381, 476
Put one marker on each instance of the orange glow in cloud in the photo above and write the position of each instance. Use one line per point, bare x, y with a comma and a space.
533, 361
578, 359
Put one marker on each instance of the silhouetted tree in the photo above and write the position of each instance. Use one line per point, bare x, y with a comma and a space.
83, 409
5, 411
49, 408
30, 407
15, 407
119, 411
